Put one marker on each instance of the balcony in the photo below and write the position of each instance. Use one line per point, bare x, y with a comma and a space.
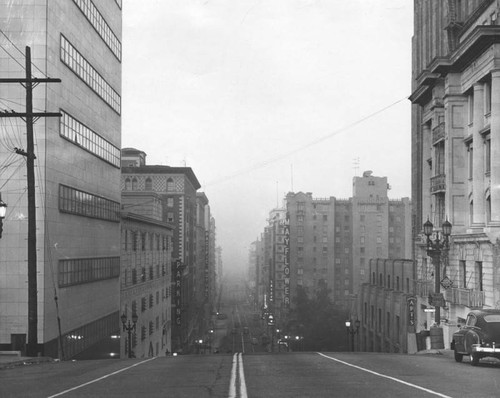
438, 133
467, 297
438, 183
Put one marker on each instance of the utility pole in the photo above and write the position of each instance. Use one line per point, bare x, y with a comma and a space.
30, 117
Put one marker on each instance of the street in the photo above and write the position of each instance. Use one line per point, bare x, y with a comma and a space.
264, 375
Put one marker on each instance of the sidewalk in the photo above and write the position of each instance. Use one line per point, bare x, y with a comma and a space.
12, 360
448, 353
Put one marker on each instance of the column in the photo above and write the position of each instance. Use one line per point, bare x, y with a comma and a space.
478, 156
495, 146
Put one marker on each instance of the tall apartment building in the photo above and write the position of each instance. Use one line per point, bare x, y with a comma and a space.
177, 187
456, 148
332, 240
145, 275
77, 173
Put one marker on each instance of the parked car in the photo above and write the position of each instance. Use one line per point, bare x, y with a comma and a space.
479, 337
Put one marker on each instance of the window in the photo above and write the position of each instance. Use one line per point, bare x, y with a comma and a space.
85, 270
487, 155
80, 135
170, 185
439, 158
148, 186
170, 202
362, 218
134, 184
470, 102
134, 276
85, 204
470, 161
487, 98
170, 216
478, 274
143, 304
151, 301
72, 58
95, 18
325, 217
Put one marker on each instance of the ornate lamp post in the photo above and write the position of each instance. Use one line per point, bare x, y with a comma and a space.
3, 210
129, 327
435, 250
351, 330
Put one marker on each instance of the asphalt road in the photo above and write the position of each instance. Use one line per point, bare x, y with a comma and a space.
257, 375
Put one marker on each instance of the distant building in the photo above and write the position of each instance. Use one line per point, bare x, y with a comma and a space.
332, 240
77, 175
455, 152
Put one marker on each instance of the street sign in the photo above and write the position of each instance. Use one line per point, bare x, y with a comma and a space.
446, 282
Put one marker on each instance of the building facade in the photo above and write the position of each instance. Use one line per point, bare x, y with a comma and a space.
388, 309
145, 276
77, 174
177, 187
456, 150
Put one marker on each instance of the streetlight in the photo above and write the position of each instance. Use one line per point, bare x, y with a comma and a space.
352, 329
3, 210
435, 249
127, 326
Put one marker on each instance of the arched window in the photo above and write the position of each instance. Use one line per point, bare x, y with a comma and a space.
170, 185
134, 184
127, 184
149, 184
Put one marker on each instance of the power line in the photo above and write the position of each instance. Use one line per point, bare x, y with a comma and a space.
17, 48
10, 55
303, 147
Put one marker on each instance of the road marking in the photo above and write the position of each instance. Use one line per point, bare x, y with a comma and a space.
387, 377
243, 386
237, 385
232, 382
100, 378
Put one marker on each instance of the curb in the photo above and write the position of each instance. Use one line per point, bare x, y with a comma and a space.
25, 362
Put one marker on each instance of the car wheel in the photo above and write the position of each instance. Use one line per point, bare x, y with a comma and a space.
474, 359
458, 357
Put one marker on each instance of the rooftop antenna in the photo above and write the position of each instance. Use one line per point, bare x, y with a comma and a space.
355, 163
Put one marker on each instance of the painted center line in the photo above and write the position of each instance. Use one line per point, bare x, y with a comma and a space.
385, 376
237, 385
101, 378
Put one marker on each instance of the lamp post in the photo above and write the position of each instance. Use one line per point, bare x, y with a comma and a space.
3, 210
352, 328
128, 327
435, 250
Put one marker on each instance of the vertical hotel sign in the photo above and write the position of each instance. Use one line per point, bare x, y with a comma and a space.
286, 268
177, 291
207, 282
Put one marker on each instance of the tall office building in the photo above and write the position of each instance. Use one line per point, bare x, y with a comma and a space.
456, 150
77, 173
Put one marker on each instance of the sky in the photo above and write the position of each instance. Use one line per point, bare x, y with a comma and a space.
264, 97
